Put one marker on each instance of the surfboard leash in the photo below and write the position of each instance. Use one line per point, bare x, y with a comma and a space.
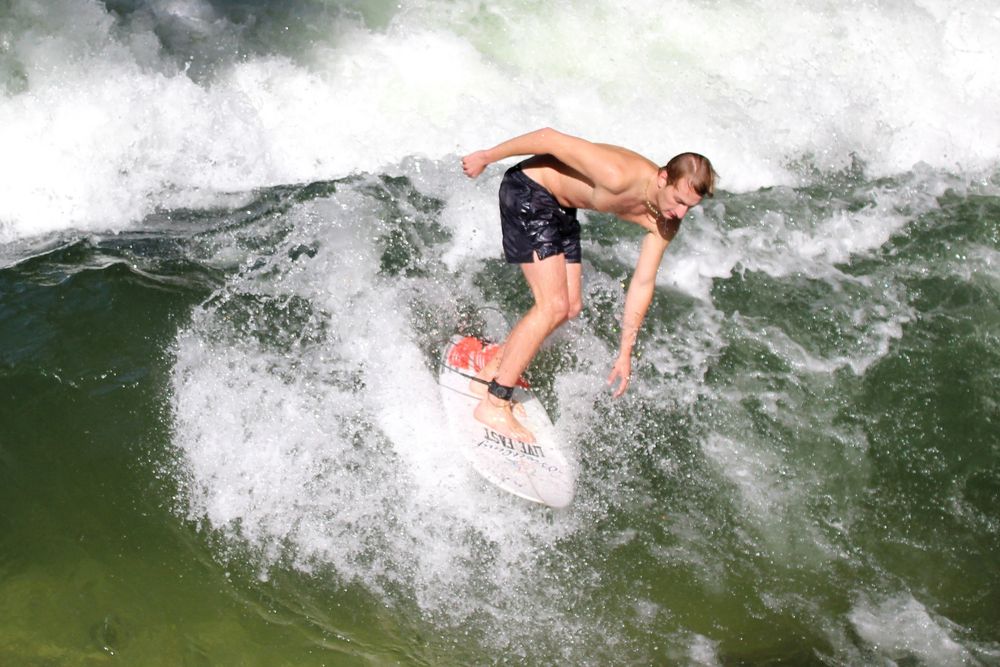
465, 375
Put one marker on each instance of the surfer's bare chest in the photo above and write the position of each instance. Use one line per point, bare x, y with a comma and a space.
572, 190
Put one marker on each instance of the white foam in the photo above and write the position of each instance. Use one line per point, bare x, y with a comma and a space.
758, 474
703, 651
330, 454
471, 216
900, 627
106, 124
792, 235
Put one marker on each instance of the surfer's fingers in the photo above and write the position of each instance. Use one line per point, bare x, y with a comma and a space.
622, 372
623, 380
622, 386
474, 164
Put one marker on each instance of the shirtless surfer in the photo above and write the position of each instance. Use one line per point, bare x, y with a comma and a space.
538, 202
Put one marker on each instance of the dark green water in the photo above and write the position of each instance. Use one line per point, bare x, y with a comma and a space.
214, 449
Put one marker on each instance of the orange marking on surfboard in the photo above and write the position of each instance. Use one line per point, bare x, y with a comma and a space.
470, 355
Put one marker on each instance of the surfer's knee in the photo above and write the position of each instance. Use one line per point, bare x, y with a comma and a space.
575, 308
557, 309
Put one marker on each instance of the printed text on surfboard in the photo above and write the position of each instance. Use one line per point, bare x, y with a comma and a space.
516, 445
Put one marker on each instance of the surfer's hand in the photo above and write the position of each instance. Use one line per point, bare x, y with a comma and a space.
473, 164
622, 372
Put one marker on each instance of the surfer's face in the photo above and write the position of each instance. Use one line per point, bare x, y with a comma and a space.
676, 199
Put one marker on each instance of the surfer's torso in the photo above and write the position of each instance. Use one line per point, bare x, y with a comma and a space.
572, 189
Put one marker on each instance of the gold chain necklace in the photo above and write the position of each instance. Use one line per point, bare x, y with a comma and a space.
650, 207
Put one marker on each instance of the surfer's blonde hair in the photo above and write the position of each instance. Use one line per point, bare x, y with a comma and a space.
696, 168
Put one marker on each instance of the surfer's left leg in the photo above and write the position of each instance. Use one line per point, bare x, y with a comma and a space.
487, 372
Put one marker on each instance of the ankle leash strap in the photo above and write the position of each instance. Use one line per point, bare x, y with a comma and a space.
500, 391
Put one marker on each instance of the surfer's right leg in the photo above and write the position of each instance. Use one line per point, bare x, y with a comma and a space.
547, 279
494, 356
541, 236
479, 386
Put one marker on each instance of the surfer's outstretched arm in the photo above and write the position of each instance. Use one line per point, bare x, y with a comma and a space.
538, 142
600, 163
637, 300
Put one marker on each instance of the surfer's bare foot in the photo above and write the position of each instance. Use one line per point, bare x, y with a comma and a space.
499, 416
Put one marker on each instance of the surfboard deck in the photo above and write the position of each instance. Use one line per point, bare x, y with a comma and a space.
541, 472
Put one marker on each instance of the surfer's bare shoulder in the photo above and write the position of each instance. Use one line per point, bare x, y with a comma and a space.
625, 167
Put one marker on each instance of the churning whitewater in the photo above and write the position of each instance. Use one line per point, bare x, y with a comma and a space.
805, 467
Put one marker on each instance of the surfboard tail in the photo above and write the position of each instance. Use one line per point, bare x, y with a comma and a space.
470, 355
543, 472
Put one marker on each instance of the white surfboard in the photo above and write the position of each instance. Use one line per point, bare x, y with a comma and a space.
541, 472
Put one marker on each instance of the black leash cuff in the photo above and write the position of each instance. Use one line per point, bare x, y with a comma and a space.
500, 391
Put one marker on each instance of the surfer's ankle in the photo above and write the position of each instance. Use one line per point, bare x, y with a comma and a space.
500, 391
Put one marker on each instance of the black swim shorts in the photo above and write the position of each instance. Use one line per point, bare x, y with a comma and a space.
534, 222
